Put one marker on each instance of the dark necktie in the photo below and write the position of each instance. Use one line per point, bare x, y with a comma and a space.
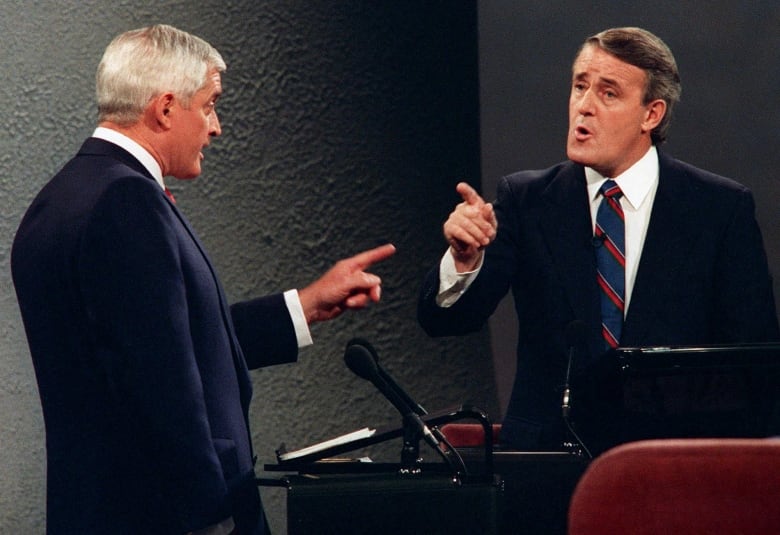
611, 262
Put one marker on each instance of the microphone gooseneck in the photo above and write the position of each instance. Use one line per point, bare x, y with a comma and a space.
575, 336
360, 357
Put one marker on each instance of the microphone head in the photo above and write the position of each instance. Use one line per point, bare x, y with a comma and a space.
576, 333
357, 341
361, 359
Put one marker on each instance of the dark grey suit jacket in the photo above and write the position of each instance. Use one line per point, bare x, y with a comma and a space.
702, 279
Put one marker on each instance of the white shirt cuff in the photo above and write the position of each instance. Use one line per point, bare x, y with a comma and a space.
451, 283
302, 332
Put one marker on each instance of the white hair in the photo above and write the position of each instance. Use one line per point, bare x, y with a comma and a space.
141, 64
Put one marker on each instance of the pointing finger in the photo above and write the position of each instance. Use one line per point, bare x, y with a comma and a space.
372, 256
469, 194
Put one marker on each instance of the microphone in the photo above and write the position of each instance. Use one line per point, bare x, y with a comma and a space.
597, 241
575, 336
361, 358
416, 407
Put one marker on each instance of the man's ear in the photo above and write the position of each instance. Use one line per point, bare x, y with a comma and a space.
162, 108
655, 112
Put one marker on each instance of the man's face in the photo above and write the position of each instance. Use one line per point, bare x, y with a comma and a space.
609, 126
193, 127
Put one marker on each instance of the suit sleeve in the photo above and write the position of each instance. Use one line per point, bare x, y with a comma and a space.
133, 289
470, 312
745, 303
265, 331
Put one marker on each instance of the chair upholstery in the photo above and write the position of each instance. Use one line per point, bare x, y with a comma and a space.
685, 486
468, 435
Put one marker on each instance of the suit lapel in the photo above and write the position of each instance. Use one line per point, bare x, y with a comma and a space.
100, 147
238, 355
567, 231
667, 235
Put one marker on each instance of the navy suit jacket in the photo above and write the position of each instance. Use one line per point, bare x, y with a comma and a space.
142, 366
702, 279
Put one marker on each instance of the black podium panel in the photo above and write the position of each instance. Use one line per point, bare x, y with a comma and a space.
391, 504
700, 392
537, 497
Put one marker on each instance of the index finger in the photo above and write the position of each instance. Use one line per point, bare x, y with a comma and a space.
468, 193
372, 256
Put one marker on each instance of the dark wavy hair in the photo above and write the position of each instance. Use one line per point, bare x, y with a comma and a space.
645, 50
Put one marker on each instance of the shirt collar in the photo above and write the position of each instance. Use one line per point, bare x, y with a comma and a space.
635, 183
140, 153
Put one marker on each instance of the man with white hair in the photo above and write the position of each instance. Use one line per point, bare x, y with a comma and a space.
142, 367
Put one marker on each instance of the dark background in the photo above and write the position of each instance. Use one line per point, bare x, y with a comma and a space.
346, 124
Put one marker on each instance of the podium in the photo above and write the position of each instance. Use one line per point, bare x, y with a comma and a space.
727, 391
328, 493
391, 503
643, 393
493, 491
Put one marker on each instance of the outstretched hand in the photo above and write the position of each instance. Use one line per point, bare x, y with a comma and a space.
345, 286
470, 228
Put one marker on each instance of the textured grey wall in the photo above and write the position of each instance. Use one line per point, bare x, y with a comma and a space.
728, 53
344, 124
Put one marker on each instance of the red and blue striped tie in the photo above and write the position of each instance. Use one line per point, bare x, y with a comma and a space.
611, 262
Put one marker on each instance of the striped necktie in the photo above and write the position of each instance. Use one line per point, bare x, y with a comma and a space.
611, 262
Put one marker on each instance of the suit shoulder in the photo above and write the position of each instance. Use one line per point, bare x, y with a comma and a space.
702, 195
532, 177
94, 176
85, 186
701, 179
537, 181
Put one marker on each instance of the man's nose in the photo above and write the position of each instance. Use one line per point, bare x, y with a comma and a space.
585, 104
215, 129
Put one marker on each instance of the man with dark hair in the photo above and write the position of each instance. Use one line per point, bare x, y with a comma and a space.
639, 248
142, 366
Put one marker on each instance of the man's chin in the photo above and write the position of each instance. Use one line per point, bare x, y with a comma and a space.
578, 155
189, 174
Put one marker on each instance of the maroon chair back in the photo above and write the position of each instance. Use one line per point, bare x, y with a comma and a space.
686, 486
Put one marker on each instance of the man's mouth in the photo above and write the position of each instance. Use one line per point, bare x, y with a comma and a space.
581, 133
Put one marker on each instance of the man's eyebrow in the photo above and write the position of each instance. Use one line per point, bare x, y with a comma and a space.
599, 78
611, 82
